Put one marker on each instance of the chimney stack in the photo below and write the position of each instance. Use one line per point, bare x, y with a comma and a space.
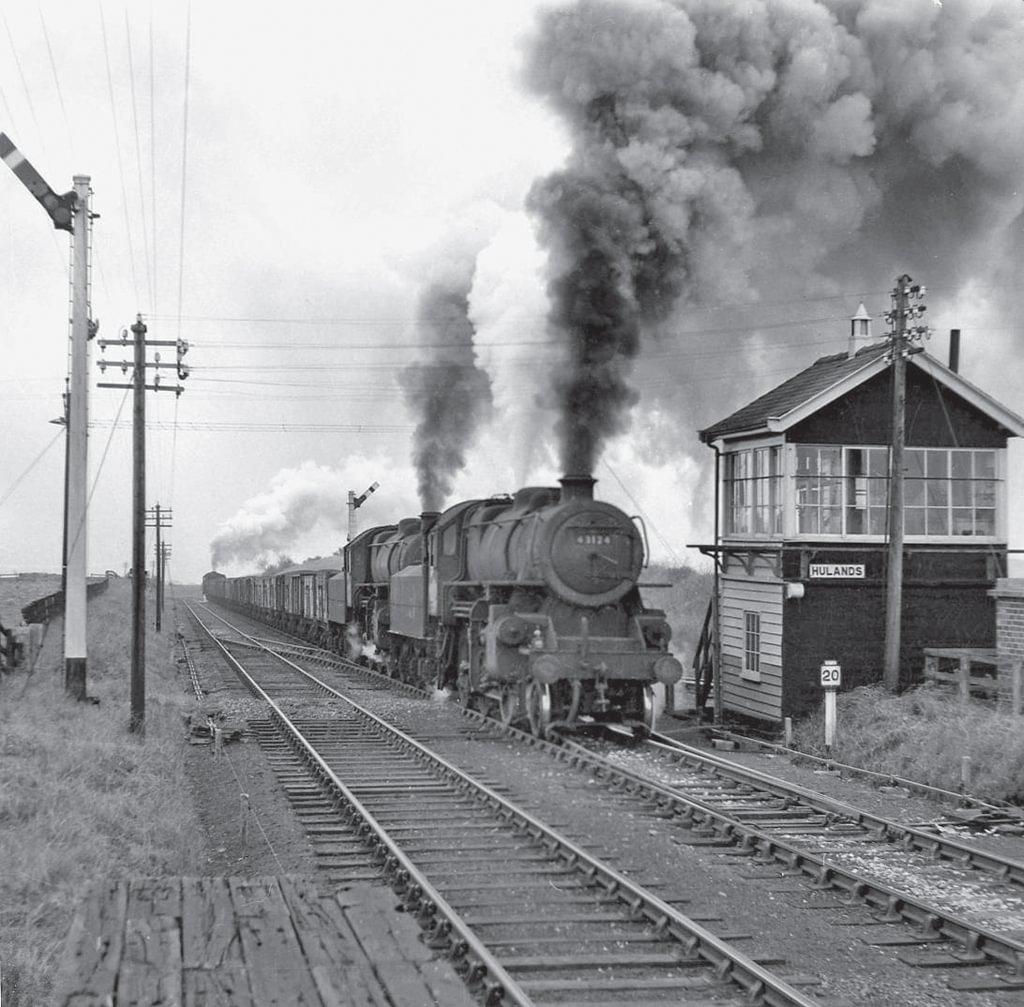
577, 488
860, 330
954, 350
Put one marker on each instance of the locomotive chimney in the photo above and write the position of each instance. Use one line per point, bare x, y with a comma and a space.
427, 521
577, 488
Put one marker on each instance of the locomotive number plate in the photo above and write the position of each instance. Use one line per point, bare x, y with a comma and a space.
591, 538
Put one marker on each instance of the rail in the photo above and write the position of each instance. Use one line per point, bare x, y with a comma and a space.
758, 984
981, 943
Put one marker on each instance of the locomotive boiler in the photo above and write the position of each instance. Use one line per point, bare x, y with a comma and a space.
527, 605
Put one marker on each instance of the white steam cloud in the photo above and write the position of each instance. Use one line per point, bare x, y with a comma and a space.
306, 510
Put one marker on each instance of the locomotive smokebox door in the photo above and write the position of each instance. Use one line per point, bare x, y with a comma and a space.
592, 553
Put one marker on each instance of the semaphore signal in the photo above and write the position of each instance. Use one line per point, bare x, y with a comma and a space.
70, 212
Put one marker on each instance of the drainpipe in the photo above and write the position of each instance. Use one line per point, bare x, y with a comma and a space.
715, 603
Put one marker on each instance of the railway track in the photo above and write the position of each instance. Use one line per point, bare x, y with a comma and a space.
842, 848
801, 833
529, 915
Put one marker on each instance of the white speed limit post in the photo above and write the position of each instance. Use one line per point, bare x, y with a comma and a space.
831, 679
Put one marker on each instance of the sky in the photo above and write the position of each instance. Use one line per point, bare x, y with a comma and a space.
281, 186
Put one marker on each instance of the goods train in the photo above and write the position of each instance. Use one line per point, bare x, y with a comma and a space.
527, 604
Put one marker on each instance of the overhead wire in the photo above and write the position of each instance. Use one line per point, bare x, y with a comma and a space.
114, 426
56, 83
242, 426
7, 108
182, 218
545, 361
646, 517
24, 81
24, 475
32, 111
503, 343
138, 159
117, 150
730, 305
152, 162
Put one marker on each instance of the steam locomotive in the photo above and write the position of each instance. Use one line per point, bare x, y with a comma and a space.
527, 604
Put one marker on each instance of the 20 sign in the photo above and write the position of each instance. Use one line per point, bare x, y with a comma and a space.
831, 675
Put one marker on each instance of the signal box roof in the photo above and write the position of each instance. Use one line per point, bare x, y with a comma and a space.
828, 379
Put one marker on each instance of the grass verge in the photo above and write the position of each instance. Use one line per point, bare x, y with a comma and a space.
922, 735
81, 798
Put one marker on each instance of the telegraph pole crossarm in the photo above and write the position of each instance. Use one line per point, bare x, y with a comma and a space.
901, 339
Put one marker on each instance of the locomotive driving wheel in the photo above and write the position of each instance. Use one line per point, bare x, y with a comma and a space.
464, 679
538, 708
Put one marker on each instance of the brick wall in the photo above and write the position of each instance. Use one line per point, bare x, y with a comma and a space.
1009, 596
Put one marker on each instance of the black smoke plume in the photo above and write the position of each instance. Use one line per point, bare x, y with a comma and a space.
446, 390
725, 154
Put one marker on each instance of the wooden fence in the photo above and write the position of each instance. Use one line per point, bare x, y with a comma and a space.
7, 653
46, 608
977, 671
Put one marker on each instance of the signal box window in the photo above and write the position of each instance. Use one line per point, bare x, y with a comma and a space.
752, 645
843, 491
753, 492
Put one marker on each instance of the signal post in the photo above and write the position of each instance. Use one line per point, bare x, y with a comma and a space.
70, 212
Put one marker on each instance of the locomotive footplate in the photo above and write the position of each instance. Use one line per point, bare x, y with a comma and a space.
572, 682
527, 646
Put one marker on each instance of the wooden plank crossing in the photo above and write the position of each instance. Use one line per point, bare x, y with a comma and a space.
248, 941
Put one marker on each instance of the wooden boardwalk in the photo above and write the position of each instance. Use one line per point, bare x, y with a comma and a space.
248, 941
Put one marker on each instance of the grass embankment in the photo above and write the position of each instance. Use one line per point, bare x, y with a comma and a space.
922, 735
81, 798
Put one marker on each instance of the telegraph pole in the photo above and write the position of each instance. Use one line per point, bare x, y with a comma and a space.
900, 339
165, 554
137, 721
158, 518
70, 212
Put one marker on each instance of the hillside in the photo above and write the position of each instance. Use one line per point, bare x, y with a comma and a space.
685, 603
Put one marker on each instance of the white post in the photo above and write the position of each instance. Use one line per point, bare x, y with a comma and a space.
78, 453
787, 725
351, 515
830, 721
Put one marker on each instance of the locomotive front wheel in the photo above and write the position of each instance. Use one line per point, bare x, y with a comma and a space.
538, 708
650, 708
508, 703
